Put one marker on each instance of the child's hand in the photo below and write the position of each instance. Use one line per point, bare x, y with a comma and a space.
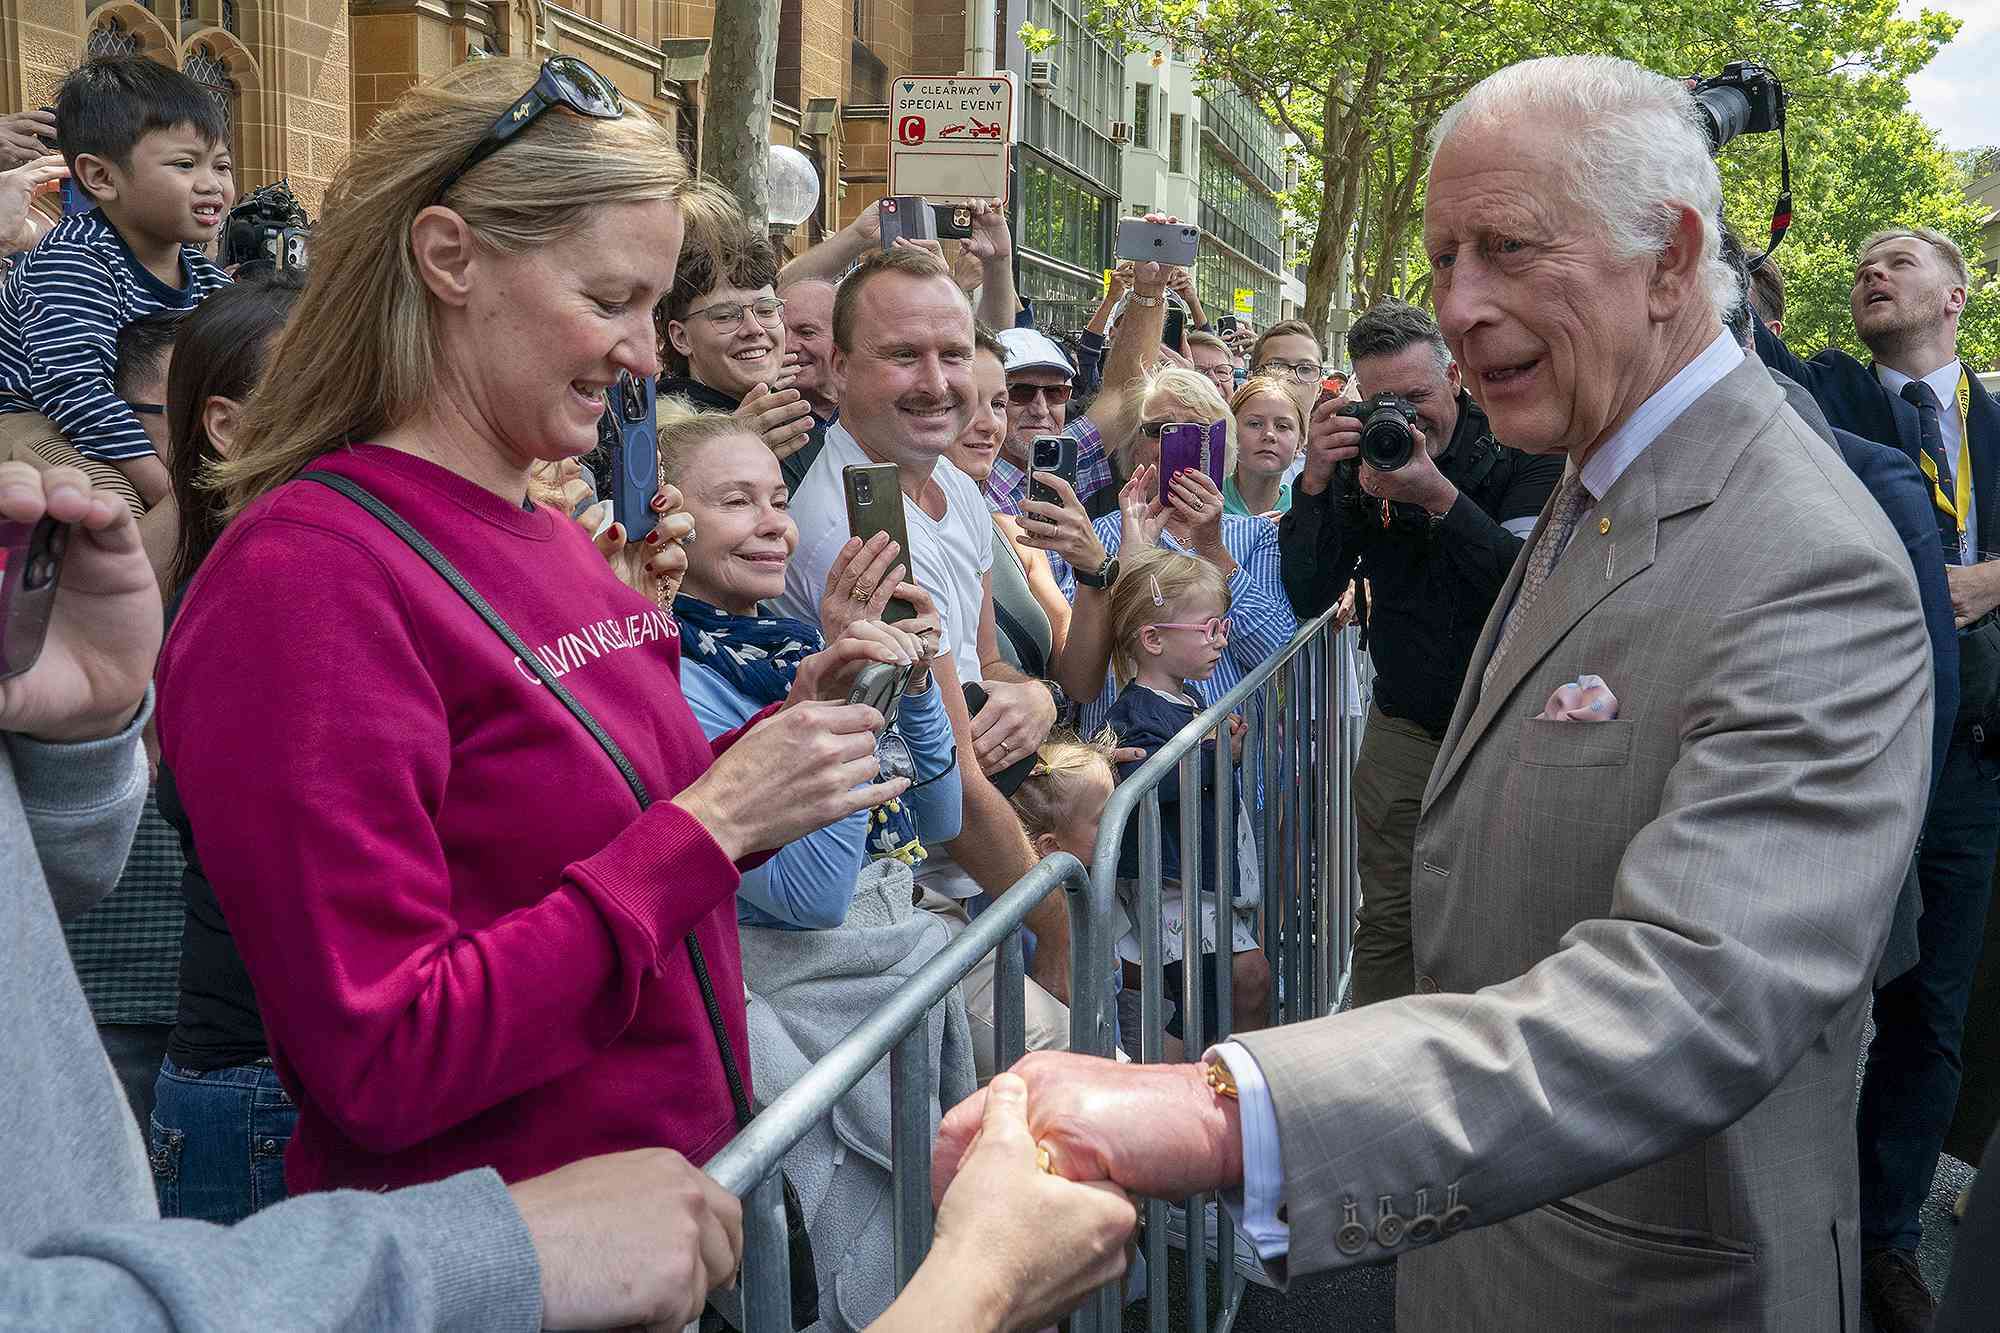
1238, 729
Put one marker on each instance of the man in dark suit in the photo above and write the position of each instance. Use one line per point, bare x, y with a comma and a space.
1909, 289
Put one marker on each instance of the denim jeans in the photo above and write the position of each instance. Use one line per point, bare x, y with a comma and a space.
217, 1140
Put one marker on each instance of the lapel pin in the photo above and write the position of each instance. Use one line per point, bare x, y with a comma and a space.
1603, 527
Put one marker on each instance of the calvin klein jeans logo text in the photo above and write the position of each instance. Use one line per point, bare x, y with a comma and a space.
590, 642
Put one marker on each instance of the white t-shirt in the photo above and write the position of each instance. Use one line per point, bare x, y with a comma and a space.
950, 556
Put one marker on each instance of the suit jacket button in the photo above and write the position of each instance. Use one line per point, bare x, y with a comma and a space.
1389, 1225
1351, 1239
1453, 1220
1427, 985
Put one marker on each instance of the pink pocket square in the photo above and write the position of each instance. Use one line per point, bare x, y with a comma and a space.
1585, 699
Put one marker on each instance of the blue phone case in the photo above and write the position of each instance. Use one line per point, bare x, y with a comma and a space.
635, 462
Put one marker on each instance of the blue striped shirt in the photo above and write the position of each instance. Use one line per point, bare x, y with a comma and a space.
61, 312
1261, 619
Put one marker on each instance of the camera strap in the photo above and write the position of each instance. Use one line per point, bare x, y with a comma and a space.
1781, 212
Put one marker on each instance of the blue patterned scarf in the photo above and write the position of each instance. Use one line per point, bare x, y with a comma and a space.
759, 657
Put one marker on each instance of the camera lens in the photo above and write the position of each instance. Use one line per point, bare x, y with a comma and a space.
863, 493
1385, 440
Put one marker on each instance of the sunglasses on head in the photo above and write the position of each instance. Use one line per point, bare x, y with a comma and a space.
564, 81
1020, 395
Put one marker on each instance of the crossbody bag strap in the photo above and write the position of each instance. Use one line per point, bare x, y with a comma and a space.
417, 542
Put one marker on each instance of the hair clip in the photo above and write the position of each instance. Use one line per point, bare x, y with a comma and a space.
1159, 598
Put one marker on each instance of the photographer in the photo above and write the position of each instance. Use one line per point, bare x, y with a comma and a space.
1435, 539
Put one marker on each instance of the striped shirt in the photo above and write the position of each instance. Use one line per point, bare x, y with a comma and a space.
1261, 619
61, 312
1007, 484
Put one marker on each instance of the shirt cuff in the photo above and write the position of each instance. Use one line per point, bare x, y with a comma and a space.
1257, 1204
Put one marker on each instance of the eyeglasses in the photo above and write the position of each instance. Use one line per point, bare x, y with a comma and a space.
1301, 371
1151, 429
729, 318
1020, 395
565, 81
1214, 630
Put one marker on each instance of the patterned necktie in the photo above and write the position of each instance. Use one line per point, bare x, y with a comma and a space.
1571, 500
1930, 438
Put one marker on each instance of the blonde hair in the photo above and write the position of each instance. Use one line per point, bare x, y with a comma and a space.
684, 429
1196, 395
1947, 250
1047, 798
360, 352
1150, 584
1263, 386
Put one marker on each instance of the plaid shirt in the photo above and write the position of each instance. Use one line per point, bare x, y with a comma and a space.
127, 949
1007, 485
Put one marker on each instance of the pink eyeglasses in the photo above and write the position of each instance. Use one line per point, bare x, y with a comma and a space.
1215, 629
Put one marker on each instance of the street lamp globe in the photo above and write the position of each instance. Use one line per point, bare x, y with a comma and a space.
794, 186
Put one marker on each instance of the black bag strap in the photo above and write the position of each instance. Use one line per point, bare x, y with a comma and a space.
417, 542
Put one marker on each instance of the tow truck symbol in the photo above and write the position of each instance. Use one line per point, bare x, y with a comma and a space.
980, 130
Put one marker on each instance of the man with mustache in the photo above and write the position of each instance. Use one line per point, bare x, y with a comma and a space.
1910, 286
903, 351
1434, 539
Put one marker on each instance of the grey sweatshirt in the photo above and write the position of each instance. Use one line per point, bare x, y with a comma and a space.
81, 1242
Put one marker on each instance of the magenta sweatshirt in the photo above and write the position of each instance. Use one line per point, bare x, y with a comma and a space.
466, 940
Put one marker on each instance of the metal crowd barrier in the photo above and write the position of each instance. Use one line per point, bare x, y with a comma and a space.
748, 1166
1301, 750
1297, 766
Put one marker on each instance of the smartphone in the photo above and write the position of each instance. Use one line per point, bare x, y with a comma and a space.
632, 433
1187, 444
875, 504
1225, 326
907, 216
31, 556
953, 221
1161, 242
1175, 327
1051, 453
880, 685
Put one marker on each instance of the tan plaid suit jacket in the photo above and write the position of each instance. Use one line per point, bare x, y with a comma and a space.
1644, 946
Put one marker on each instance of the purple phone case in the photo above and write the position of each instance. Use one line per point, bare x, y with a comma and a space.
1188, 445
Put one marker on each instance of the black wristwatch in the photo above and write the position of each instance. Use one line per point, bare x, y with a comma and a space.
1105, 575
1061, 701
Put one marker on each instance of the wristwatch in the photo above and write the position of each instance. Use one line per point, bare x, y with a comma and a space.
1060, 698
1105, 575
1148, 301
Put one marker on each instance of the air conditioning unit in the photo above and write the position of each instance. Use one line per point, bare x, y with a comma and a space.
1042, 74
1121, 131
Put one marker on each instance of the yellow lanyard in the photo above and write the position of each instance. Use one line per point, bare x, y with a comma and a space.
1961, 505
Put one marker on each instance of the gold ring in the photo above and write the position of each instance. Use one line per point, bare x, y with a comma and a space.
1043, 1162
860, 594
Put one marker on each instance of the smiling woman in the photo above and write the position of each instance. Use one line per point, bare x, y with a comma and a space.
469, 940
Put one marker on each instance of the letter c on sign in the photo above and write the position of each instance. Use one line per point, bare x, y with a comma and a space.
910, 130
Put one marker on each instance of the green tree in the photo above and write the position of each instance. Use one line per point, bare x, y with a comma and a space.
1362, 84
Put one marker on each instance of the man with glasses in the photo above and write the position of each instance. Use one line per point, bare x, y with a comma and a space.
1434, 539
1288, 351
723, 327
1040, 380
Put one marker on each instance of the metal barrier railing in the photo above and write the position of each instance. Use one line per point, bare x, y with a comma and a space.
1299, 723
1297, 765
748, 1166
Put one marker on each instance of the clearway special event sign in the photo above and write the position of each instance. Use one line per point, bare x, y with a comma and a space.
948, 137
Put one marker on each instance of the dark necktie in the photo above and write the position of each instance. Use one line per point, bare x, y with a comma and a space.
1930, 438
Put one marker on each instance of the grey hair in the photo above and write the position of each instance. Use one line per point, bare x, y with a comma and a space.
1637, 150
1392, 325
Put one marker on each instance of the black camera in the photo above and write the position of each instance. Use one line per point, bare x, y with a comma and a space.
1386, 422
266, 231
1746, 98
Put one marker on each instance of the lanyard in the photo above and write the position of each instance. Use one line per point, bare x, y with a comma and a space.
1960, 505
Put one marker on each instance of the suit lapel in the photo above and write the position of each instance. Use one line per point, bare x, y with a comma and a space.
1681, 470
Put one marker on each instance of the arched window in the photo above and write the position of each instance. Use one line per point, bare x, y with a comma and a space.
211, 73
111, 38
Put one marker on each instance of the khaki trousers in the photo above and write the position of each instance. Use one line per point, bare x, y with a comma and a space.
1048, 1017
1389, 778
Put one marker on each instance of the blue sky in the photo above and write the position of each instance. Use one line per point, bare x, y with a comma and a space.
1959, 92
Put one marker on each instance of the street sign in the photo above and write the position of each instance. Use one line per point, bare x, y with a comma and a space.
1246, 300
948, 137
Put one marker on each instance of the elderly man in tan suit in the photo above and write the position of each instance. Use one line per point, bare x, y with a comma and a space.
1623, 1096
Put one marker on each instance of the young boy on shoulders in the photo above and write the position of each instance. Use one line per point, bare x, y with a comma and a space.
150, 148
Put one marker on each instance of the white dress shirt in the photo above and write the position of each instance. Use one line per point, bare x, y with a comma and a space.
1944, 383
1263, 1194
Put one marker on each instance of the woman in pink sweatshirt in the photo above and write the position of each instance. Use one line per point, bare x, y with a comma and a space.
468, 943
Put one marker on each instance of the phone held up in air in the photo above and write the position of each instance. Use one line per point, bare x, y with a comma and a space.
630, 435
31, 556
954, 221
1173, 329
1187, 444
875, 504
908, 217
1158, 242
1053, 454
1225, 326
